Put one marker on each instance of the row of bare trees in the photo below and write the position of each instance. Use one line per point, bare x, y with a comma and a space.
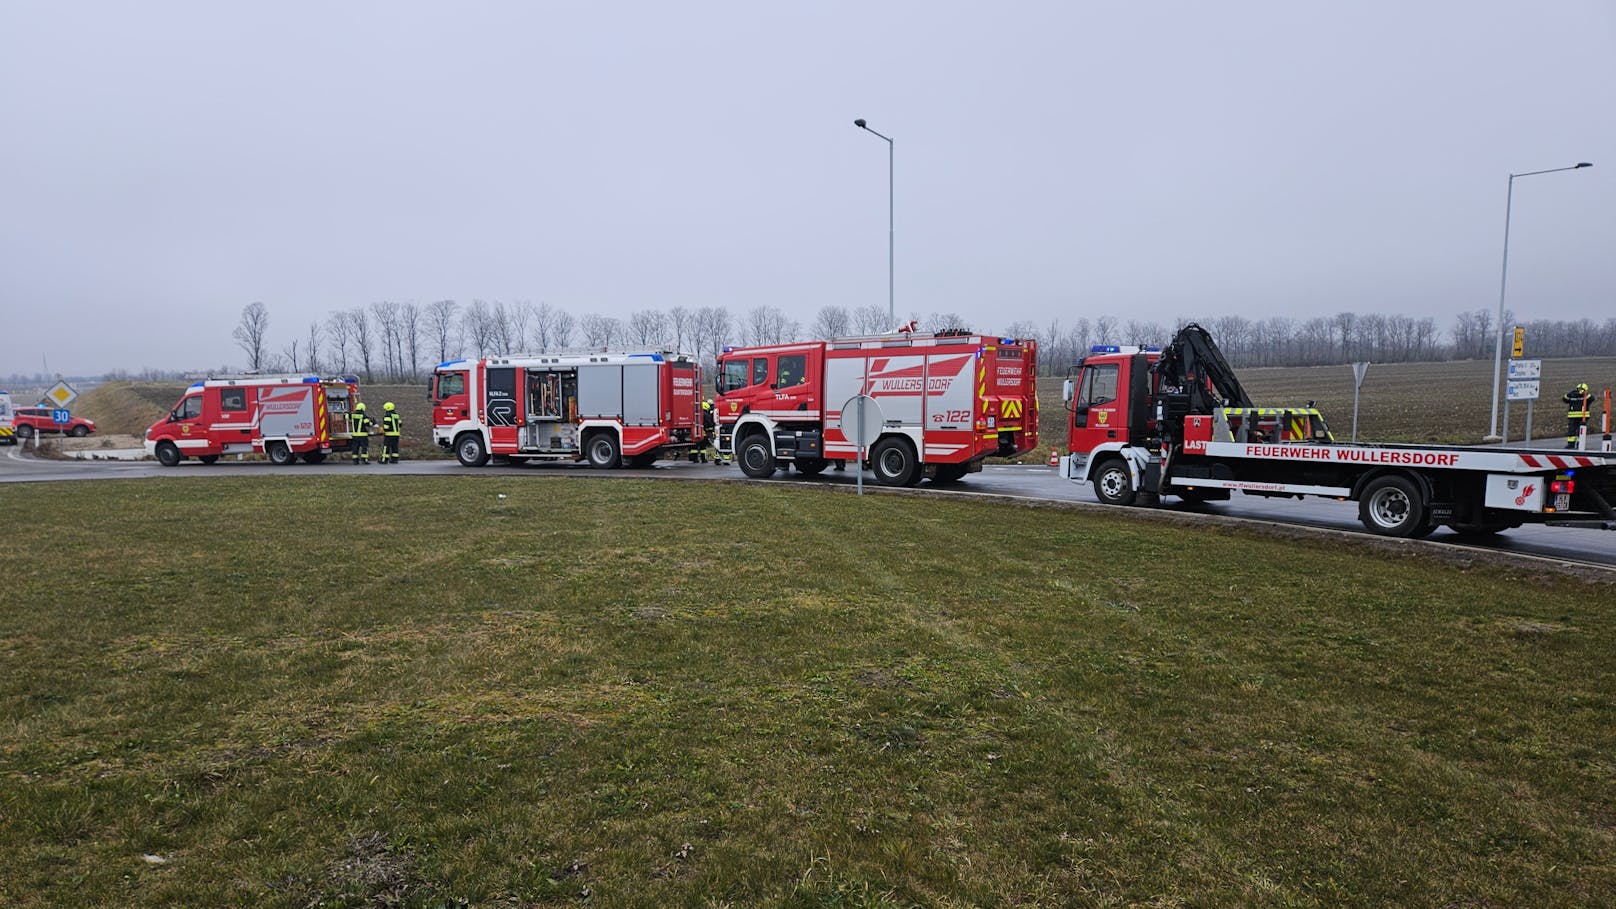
391, 341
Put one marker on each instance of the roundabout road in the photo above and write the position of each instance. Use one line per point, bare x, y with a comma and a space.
1584, 547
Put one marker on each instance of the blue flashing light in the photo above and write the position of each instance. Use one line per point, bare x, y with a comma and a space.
311, 380
195, 385
1008, 341
450, 363
1151, 349
728, 348
1105, 348
654, 357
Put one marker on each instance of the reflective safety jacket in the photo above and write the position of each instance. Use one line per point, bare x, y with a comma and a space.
359, 425
392, 423
1576, 403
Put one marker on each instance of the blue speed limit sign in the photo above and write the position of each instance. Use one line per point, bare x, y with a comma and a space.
61, 415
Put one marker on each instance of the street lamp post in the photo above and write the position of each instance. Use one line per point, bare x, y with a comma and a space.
1503, 283
891, 311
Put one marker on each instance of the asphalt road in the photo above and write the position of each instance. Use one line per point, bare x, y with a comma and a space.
1589, 547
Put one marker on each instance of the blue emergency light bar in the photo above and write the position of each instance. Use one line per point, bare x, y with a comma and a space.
1105, 348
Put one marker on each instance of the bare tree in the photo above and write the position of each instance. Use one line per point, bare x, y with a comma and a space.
562, 328
340, 331
440, 320
477, 323
385, 316
364, 341
832, 322
680, 322
871, 320
409, 333
945, 321
646, 327
312, 346
250, 334
712, 331
289, 354
599, 331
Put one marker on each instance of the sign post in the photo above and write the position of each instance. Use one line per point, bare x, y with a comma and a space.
861, 423
1359, 370
1524, 379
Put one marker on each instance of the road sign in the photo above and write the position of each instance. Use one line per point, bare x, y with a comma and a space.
1522, 391
61, 415
861, 420
1525, 369
1518, 349
61, 394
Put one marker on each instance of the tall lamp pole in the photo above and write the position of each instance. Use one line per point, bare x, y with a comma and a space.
891, 311
1503, 283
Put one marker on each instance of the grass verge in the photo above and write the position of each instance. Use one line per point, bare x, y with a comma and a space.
530, 691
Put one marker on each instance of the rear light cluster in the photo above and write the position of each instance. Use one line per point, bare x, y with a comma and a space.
1566, 487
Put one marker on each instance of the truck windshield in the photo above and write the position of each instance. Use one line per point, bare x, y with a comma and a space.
1099, 385
735, 375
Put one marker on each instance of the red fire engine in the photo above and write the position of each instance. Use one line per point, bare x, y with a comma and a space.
945, 402
606, 408
282, 416
1151, 422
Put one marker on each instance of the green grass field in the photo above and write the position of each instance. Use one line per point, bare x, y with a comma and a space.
518, 691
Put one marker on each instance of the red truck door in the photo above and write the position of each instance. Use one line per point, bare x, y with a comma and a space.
1098, 414
449, 402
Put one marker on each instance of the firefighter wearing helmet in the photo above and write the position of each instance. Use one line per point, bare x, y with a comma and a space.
392, 426
1576, 413
699, 455
359, 429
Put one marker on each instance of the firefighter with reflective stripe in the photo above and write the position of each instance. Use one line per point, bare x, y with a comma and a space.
1576, 412
359, 427
392, 425
709, 425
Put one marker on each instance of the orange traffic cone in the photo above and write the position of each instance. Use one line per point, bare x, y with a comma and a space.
1054, 457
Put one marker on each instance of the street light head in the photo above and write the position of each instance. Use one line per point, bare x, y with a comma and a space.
1582, 164
860, 125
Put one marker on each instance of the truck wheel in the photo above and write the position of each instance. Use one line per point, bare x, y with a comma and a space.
757, 461
603, 452
470, 451
811, 467
279, 453
313, 457
168, 454
643, 461
894, 462
208, 459
1114, 485
1392, 506
948, 473
80, 432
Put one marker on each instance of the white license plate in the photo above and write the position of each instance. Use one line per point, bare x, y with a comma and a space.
1562, 501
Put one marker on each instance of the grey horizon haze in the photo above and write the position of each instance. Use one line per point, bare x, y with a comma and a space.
165, 164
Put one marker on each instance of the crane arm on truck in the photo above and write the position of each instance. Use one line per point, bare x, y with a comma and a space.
1193, 363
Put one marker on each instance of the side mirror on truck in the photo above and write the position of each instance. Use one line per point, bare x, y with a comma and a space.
1067, 390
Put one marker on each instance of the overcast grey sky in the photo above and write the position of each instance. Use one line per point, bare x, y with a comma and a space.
166, 163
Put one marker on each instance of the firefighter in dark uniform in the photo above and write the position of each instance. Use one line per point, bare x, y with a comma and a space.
708, 426
1576, 401
392, 426
359, 428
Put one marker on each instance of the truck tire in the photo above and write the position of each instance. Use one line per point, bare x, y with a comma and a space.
313, 457
602, 451
948, 474
894, 462
643, 461
470, 450
168, 454
757, 461
1393, 506
1113, 485
208, 459
279, 453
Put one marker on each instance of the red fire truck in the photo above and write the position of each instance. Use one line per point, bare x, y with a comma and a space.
945, 402
607, 408
1151, 422
283, 417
